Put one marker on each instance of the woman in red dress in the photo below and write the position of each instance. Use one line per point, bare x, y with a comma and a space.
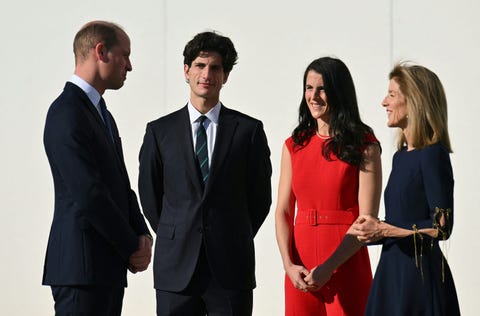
330, 173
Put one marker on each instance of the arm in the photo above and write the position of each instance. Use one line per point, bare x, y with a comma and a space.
260, 171
438, 183
150, 178
370, 229
136, 218
140, 259
370, 186
75, 159
284, 217
137, 221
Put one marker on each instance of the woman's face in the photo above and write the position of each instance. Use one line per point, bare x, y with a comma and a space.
396, 106
316, 97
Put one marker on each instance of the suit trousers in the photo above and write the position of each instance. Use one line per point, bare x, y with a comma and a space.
87, 300
204, 295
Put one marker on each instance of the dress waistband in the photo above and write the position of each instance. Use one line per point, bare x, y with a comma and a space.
315, 217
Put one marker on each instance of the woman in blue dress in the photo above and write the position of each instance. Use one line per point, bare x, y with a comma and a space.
412, 276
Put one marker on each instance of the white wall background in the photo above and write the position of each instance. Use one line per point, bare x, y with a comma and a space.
276, 40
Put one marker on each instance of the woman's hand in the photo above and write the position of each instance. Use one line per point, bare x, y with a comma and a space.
297, 275
367, 229
318, 277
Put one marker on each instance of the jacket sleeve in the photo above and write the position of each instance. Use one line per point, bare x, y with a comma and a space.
137, 221
150, 178
260, 172
77, 164
136, 218
438, 185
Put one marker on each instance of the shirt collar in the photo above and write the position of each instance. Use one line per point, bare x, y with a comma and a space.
212, 115
90, 91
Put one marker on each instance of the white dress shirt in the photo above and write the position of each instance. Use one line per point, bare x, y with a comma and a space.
211, 124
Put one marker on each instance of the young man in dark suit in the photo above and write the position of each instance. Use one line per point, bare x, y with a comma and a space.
98, 230
204, 184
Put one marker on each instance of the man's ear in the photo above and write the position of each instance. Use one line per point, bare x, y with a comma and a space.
101, 52
226, 77
185, 72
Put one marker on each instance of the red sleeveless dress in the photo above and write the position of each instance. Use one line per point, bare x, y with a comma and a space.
326, 194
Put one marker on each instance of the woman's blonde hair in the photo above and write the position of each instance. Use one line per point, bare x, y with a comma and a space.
426, 106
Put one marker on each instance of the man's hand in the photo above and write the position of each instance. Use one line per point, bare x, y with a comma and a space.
141, 258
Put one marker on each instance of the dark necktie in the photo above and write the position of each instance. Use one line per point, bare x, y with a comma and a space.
201, 148
106, 117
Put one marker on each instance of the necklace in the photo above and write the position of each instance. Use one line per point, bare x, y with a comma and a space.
322, 136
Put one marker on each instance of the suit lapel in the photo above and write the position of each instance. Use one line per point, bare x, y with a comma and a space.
92, 112
227, 124
90, 107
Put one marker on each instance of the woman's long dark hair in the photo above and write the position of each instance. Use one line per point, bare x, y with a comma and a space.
348, 132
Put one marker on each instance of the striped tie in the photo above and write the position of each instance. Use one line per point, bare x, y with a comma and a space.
201, 150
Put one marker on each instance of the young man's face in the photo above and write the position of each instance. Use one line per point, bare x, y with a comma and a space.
206, 76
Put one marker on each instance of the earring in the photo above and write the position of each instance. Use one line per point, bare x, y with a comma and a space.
187, 81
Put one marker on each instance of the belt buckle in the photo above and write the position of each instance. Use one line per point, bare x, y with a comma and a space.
312, 217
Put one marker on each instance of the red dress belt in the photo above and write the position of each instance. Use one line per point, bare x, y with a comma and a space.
315, 217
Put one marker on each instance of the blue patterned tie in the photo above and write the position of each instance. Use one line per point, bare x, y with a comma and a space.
106, 117
201, 148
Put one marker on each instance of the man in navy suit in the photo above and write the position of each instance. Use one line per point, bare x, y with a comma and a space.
204, 184
98, 230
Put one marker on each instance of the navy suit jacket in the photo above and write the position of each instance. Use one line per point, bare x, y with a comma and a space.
224, 216
97, 219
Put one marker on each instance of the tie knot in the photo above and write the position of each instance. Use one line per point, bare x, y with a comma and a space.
202, 119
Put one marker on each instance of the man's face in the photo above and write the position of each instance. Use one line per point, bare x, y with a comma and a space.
206, 76
117, 64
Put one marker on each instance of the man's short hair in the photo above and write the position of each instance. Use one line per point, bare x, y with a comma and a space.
211, 42
93, 33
